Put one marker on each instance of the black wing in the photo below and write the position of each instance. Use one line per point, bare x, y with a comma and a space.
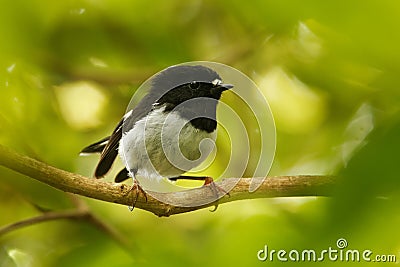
108, 147
110, 152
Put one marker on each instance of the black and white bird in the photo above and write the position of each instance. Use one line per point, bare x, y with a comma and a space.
162, 137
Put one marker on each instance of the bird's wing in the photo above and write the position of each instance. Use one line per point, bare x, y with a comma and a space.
110, 151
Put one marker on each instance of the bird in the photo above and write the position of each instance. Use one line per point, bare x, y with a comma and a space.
161, 137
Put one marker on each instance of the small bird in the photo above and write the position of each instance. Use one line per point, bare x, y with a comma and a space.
162, 136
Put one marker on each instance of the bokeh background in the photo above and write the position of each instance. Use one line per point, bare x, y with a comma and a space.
329, 69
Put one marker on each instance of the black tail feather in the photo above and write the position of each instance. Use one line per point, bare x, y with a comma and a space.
122, 176
97, 147
105, 163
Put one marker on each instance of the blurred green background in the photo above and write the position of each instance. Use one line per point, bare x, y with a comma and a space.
329, 69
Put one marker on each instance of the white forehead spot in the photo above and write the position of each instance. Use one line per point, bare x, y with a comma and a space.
216, 82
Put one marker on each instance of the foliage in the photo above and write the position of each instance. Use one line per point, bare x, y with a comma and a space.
328, 69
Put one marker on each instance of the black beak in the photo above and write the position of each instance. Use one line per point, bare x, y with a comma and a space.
226, 86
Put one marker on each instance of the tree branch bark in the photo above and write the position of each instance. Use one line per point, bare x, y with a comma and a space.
283, 186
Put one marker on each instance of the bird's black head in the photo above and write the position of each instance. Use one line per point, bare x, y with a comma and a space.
193, 91
178, 84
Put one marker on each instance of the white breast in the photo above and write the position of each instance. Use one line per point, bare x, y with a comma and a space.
164, 145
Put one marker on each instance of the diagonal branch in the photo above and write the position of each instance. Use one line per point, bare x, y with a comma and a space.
77, 214
45, 217
284, 186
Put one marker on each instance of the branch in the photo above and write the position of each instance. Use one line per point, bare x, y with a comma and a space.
45, 217
284, 186
80, 212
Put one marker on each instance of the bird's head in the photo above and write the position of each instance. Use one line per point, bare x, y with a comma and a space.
178, 84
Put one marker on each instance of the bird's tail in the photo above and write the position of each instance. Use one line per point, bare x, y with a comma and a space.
97, 147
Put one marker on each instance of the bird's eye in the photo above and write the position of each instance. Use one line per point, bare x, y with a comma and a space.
194, 85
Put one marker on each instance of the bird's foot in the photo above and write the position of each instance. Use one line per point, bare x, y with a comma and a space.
209, 181
136, 186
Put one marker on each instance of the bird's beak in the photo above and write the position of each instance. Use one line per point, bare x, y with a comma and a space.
226, 86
